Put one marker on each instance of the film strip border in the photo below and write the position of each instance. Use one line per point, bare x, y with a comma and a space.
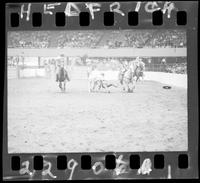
72, 15
110, 165
98, 166
108, 18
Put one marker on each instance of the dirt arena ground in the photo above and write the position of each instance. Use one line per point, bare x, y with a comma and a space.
43, 119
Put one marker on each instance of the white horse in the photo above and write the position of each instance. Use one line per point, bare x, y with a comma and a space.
126, 78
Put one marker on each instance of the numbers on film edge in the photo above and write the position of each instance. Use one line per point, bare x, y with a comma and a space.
121, 167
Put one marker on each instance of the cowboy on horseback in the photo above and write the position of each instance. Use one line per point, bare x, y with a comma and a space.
126, 77
139, 68
62, 76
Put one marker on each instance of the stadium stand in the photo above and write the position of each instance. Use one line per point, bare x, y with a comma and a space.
109, 39
96, 39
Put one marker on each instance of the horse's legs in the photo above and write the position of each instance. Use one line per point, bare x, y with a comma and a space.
60, 85
142, 77
109, 85
134, 84
125, 87
93, 85
99, 85
122, 85
129, 87
64, 85
89, 86
137, 78
104, 86
132, 87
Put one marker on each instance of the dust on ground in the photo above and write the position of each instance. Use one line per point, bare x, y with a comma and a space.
41, 118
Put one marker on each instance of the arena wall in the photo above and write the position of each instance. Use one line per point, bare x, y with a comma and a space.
172, 79
101, 52
40, 72
179, 80
12, 73
166, 78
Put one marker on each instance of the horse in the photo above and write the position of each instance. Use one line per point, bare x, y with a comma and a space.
62, 77
139, 71
129, 72
127, 80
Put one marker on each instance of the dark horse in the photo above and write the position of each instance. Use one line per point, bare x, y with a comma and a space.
62, 77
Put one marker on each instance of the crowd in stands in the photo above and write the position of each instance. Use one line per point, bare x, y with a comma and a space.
78, 39
178, 68
173, 38
29, 39
139, 39
96, 39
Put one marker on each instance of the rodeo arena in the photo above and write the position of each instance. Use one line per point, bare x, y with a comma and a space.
97, 91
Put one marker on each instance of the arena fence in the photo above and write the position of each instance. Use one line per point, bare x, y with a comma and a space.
156, 53
103, 52
179, 80
80, 73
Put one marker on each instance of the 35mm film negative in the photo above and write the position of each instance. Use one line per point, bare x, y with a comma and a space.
100, 90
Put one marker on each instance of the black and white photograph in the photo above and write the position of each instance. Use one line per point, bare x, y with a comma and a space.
97, 91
